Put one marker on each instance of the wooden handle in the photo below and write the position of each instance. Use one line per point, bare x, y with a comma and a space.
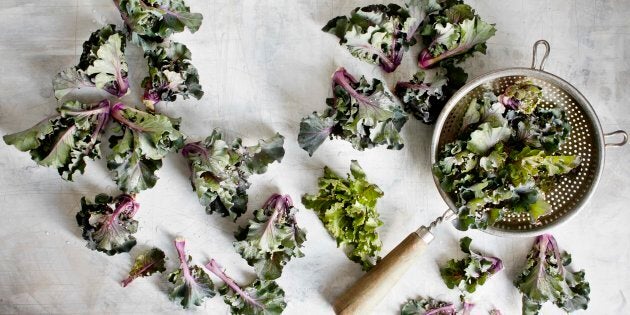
366, 293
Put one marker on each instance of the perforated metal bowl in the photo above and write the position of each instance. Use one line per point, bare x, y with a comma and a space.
570, 192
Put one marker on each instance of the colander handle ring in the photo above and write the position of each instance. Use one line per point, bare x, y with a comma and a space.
621, 143
539, 42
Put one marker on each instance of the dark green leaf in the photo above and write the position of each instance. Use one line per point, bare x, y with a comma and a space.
220, 172
108, 223
171, 73
271, 238
429, 90
428, 305
65, 141
364, 114
139, 143
546, 277
152, 21
313, 131
191, 284
147, 263
261, 297
470, 272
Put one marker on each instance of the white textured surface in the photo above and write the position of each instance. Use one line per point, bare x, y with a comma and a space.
264, 65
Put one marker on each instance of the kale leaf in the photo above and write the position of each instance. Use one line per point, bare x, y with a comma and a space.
271, 238
139, 143
380, 34
140, 139
220, 172
451, 32
428, 305
108, 223
147, 263
429, 90
171, 73
347, 207
456, 34
191, 284
468, 273
66, 140
261, 297
546, 278
364, 114
150, 22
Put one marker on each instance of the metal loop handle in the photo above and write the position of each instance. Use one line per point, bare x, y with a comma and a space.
541, 66
621, 143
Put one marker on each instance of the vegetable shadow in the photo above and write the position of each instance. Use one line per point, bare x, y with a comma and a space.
417, 136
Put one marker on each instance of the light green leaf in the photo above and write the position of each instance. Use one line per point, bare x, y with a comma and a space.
347, 207
110, 68
486, 137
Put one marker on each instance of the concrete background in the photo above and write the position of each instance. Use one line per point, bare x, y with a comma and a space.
264, 65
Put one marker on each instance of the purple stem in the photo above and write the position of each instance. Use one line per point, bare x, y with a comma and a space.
194, 148
279, 202
467, 308
120, 86
556, 251
116, 114
448, 308
396, 55
125, 203
543, 242
387, 64
280, 205
426, 60
215, 268
101, 109
509, 102
180, 245
103, 118
128, 280
150, 96
497, 265
345, 80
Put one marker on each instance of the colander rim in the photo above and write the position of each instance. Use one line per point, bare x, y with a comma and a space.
582, 102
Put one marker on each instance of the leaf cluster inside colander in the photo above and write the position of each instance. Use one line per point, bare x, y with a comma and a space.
504, 159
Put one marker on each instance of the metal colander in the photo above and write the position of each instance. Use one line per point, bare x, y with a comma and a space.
570, 192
